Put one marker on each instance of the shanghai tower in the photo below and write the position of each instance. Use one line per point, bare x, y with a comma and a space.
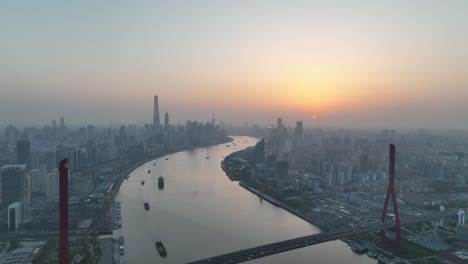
156, 123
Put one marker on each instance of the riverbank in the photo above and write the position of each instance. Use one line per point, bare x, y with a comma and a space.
109, 253
124, 175
313, 218
277, 203
199, 201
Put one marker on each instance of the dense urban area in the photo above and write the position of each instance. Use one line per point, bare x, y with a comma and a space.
100, 158
336, 179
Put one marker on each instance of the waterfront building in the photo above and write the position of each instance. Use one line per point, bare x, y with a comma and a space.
136, 150
257, 156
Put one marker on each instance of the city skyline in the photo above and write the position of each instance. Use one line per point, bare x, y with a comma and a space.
392, 63
215, 131
311, 121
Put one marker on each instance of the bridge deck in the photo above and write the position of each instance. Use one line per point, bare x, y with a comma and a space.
291, 244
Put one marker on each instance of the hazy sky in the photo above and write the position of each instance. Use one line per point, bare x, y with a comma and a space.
352, 63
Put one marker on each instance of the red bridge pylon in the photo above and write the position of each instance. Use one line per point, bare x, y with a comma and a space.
391, 192
63, 205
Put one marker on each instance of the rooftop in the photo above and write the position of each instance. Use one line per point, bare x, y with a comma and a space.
14, 166
15, 204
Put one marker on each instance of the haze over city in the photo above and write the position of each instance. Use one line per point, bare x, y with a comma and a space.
369, 64
217, 131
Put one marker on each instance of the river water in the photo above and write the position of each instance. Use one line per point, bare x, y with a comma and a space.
201, 213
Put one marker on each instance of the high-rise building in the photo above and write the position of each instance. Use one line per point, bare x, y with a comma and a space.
287, 146
257, 155
52, 184
298, 132
340, 178
74, 160
35, 180
27, 191
37, 160
82, 133
14, 215
132, 131
280, 130
122, 132
54, 126
346, 169
188, 128
156, 122
50, 160
14, 186
11, 134
38, 179
282, 173
90, 132
270, 164
166, 120
23, 152
91, 152
329, 179
62, 124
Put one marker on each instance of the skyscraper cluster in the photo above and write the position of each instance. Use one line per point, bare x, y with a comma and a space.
29, 179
